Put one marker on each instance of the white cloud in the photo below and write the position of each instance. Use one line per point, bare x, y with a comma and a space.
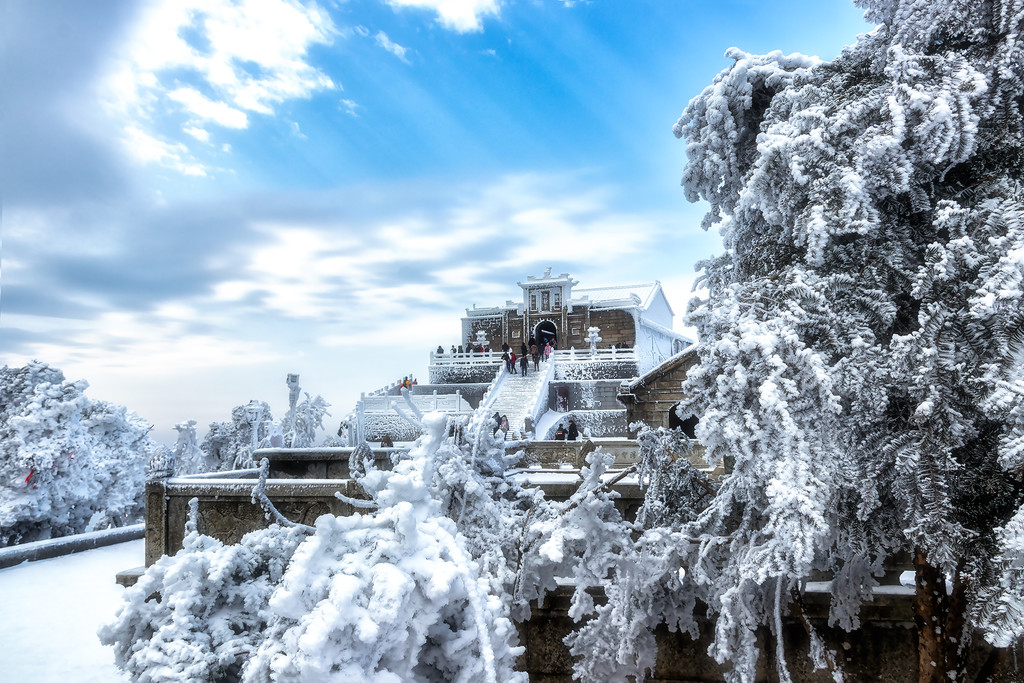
458, 15
200, 134
145, 148
207, 110
350, 107
392, 47
219, 60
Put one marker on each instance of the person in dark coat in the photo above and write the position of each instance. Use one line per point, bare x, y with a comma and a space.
524, 363
497, 422
560, 433
573, 433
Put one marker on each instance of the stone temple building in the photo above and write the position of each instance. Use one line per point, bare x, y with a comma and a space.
553, 309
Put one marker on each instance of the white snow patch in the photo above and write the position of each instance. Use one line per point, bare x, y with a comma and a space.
51, 610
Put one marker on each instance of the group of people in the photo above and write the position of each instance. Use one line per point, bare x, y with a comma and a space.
528, 350
500, 422
407, 383
570, 434
532, 349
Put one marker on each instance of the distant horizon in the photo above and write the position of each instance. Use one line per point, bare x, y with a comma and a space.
202, 197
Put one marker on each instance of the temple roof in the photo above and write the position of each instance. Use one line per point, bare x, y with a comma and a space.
645, 292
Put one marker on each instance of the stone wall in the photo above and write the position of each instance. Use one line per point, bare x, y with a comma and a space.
492, 326
226, 511
464, 373
378, 425
653, 400
602, 423
617, 327
883, 650
585, 395
585, 369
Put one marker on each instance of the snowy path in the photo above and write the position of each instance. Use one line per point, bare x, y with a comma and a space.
50, 612
517, 395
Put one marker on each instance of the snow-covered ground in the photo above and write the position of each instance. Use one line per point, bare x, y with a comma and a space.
51, 610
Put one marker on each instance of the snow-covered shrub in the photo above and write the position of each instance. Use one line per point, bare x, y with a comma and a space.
392, 595
68, 464
396, 594
582, 538
676, 491
197, 616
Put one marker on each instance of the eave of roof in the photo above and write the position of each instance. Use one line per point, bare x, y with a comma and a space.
658, 371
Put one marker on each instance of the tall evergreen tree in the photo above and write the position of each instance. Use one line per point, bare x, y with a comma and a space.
861, 341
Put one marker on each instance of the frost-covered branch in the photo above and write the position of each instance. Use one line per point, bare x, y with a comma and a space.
259, 497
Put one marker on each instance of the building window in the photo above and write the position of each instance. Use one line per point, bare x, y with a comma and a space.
575, 331
533, 302
545, 301
515, 334
558, 301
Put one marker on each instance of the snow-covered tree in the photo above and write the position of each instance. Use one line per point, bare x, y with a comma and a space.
230, 444
68, 463
189, 458
309, 419
861, 340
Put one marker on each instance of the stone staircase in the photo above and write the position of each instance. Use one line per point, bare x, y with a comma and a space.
516, 398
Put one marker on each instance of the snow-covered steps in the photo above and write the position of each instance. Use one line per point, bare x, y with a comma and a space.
517, 396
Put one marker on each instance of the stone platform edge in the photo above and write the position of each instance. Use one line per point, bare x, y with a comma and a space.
65, 545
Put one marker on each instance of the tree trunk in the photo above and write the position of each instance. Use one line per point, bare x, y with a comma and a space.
940, 623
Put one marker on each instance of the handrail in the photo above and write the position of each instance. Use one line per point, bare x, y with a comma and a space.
491, 392
447, 402
448, 358
540, 401
475, 358
586, 354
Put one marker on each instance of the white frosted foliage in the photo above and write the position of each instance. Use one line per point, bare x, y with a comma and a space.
68, 463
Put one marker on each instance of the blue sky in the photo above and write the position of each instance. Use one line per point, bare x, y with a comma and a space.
203, 196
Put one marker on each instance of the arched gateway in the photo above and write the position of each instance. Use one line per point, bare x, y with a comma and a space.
545, 332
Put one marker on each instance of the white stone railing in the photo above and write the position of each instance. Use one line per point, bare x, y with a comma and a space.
540, 399
449, 403
387, 389
491, 393
449, 358
599, 354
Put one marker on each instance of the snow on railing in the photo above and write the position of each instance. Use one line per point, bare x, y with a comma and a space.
491, 392
450, 403
540, 400
600, 354
387, 388
449, 358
